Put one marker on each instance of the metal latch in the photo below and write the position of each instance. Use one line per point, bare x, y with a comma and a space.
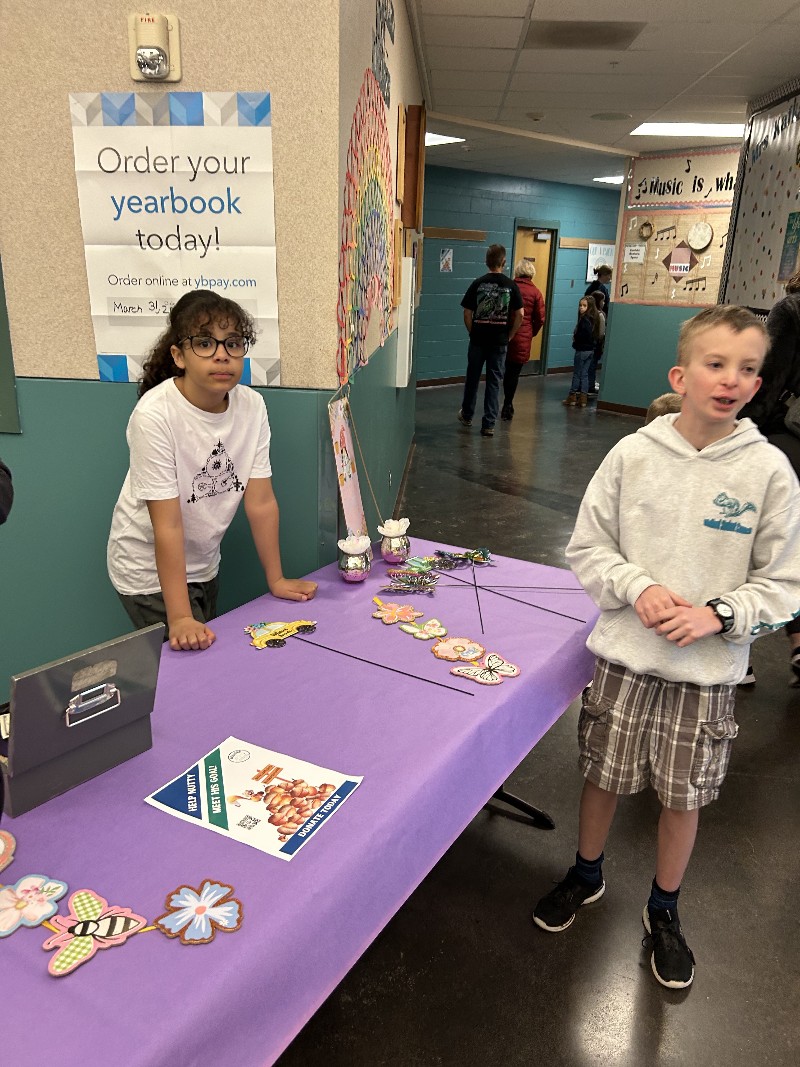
81, 708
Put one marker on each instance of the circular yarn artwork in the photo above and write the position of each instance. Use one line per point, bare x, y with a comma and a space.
366, 257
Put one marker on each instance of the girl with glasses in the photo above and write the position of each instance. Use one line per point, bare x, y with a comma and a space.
199, 442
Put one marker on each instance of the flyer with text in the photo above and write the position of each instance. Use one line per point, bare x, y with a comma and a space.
271, 801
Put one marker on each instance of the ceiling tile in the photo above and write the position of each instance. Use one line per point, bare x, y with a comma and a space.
629, 85
547, 61
700, 111
472, 32
447, 99
780, 39
584, 99
680, 37
472, 59
746, 86
682, 11
754, 60
467, 79
486, 114
499, 8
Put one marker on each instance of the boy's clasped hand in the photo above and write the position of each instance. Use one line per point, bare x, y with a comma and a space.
673, 617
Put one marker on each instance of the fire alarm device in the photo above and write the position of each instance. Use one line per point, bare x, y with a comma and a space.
154, 46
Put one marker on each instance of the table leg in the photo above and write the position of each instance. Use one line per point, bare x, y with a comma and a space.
541, 820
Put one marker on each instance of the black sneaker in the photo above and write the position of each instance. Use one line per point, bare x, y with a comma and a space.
462, 418
749, 678
507, 414
672, 960
556, 911
487, 431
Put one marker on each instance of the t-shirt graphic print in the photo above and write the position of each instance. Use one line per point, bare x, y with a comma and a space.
493, 303
218, 476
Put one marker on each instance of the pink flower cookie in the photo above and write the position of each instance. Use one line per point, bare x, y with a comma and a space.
458, 648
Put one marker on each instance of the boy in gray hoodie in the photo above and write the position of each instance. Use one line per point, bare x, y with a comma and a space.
688, 540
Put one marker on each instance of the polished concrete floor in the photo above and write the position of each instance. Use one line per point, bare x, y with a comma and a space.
461, 976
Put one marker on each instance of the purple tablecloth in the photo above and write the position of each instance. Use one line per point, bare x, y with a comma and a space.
431, 756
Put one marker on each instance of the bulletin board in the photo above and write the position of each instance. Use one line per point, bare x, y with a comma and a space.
675, 227
765, 247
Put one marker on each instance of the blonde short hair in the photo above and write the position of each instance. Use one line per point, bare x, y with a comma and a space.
735, 318
666, 404
525, 269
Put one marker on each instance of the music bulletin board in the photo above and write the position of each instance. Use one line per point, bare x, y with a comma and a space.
765, 249
675, 227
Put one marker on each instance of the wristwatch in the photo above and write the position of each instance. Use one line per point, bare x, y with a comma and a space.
724, 613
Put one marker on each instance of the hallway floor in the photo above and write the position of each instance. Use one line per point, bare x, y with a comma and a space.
461, 976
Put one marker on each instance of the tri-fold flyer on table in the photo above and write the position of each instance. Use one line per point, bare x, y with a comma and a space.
273, 802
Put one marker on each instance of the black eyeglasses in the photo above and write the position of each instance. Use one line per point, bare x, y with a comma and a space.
205, 346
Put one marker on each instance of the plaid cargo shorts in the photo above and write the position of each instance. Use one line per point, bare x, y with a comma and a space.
637, 730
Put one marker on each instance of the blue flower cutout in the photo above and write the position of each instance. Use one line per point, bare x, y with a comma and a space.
195, 915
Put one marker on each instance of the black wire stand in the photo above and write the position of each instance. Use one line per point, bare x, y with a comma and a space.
540, 819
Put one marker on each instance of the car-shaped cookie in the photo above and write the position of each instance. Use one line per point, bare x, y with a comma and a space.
275, 634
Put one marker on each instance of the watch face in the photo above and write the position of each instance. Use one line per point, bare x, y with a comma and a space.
699, 236
725, 610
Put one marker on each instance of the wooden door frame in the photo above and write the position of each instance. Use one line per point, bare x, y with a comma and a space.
553, 226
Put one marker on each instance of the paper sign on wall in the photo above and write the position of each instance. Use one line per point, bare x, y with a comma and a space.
600, 255
176, 194
635, 253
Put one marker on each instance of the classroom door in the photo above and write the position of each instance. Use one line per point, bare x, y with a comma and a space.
531, 242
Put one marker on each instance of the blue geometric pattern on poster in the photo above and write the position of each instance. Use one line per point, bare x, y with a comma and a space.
182, 794
113, 368
119, 109
186, 109
254, 109
246, 378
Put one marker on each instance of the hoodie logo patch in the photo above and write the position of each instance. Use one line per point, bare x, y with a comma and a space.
731, 509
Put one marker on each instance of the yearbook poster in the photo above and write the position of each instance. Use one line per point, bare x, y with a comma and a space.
176, 194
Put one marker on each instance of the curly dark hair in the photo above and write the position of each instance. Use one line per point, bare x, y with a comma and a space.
189, 315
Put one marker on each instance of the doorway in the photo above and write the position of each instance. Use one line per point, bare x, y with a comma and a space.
538, 243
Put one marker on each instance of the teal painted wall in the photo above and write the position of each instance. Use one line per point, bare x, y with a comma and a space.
460, 199
641, 346
69, 463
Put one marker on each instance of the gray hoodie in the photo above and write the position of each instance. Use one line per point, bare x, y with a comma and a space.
721, 522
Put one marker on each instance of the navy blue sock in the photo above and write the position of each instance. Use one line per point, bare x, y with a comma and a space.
661, 900
590, 871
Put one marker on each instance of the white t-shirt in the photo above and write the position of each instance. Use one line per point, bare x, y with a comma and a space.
203, 459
